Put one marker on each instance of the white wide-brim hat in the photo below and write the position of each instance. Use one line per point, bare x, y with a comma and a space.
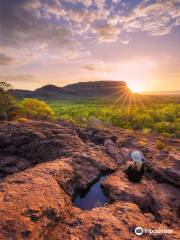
136, 156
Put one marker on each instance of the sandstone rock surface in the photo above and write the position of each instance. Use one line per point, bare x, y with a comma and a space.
43, 166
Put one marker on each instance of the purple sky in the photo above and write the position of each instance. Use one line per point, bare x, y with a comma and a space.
60, 42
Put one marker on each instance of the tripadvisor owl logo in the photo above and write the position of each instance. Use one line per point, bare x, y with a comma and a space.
138, 231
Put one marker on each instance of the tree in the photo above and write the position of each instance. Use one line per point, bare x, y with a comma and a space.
164, 127
5, 86
36, 109
8, 105
143, 120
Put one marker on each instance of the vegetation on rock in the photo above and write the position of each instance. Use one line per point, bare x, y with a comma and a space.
163, 118
36, 109
160, 145
8, 105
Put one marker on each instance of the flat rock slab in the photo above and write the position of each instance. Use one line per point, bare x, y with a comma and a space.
34, 206
43, 166
161, 200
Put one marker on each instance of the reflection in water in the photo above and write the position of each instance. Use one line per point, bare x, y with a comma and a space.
94, 197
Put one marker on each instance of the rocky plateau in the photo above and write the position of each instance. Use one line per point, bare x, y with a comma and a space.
44, 165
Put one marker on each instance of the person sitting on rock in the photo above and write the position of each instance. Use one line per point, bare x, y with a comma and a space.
135, 168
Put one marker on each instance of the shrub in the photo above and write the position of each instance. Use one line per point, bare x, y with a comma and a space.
146, 130
117, 121
66, 117
36, 109
155, 117
169, 112
160, 145
164, 127
177, 124
8, 105
23, 120
142, 121
166, 135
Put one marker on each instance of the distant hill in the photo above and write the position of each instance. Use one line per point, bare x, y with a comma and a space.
77, 90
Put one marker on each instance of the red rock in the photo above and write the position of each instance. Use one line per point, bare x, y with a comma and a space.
56, 160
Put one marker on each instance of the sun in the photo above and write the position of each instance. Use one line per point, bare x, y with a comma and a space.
135, 88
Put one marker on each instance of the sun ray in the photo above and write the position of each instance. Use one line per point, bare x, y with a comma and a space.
129, 106
116, 101
140, 101
124, 100
124, 96
119, 98
115, 93
134, 100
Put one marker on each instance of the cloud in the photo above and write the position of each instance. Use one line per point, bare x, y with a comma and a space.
86, 3
19, 78
6, 60
59, 24
97, 67
107, 33
91, 67
156, 18
22, 23
31, 4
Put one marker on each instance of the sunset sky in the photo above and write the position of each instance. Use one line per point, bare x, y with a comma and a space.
65, 41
